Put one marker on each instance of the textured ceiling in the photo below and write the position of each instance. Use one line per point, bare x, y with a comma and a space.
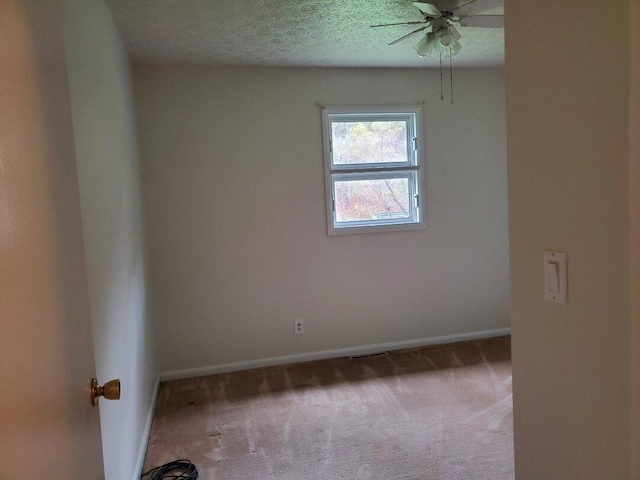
289, 33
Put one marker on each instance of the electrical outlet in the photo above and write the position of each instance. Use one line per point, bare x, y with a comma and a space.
298, 326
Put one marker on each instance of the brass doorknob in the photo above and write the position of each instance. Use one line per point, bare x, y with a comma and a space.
110, 391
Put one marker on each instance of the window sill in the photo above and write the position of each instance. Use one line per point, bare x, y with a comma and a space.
403, 227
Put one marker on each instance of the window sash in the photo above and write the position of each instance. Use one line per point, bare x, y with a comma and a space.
409, 119
413, 199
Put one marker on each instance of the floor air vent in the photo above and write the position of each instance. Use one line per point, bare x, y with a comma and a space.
379, 354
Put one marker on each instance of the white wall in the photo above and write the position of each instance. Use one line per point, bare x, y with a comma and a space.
104, 131
568, 127
234, 194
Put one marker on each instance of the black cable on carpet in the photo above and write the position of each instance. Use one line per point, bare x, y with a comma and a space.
178, 469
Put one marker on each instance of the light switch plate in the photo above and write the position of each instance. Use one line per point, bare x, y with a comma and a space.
555, 288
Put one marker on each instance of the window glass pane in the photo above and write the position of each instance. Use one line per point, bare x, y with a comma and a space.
372, 200
369, 142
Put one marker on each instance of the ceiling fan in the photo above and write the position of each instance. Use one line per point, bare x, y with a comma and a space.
443, 36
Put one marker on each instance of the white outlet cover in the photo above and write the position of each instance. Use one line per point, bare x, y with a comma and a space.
555, 276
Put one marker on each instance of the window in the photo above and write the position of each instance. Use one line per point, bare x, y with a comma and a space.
373, 169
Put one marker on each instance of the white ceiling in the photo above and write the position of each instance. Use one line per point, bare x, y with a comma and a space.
289, 33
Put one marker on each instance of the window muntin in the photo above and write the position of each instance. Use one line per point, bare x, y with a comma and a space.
373, 169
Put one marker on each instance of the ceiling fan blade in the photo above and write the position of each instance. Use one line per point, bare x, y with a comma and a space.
477, 6
428, 9
407, 35
485, 21
402, 23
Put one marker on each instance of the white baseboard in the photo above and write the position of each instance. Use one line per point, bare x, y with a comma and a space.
147, 431
321, 355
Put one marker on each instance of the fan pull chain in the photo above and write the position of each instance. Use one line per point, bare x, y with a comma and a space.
441, 88
451, 74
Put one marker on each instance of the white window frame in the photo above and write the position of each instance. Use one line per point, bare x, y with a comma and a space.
413, 169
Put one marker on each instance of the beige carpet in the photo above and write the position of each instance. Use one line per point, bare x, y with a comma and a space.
441, 412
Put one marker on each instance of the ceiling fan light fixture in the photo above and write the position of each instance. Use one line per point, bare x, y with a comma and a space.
445, 39
454, 32
446, 42
450, 51
425, 46
440, 48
